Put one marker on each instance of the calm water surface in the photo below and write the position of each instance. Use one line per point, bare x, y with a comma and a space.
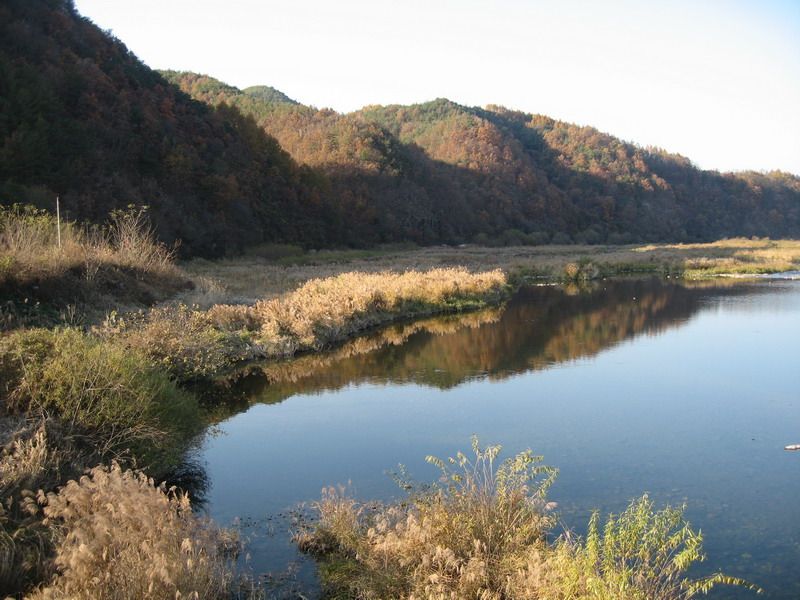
686, 391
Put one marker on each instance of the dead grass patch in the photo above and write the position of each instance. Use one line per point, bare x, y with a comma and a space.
248, 279
318, 314
62, 265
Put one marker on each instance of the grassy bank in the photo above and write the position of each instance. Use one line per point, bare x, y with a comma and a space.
107, 399
485, 531
73, 403
248, 278
320, 313
53, 272
69, 402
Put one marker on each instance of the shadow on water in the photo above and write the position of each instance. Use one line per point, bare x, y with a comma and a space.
190, 476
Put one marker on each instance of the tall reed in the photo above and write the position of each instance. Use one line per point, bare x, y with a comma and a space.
320, 313
121, 537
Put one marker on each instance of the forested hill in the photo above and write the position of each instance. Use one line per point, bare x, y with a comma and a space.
82, 117
221, 168
443, 172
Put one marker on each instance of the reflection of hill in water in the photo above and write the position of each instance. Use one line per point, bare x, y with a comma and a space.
538, 328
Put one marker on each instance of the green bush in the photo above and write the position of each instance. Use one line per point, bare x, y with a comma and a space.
275, 251
106, 395
561, 238
537, 238
640, 553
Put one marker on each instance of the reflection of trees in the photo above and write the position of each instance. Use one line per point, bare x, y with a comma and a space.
537, 329
354, 360
315, 365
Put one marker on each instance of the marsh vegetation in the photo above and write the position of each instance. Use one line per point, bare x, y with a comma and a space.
484, 531
261, 274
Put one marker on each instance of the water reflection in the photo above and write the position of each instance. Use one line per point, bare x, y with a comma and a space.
539, 328
191, 477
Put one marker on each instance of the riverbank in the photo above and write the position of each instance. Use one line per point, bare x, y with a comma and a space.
192, 343
79, 395
269, 274
76, 399
274, 304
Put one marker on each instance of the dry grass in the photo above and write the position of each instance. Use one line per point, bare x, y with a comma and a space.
451, 541
180, 340
121, 537
27, 461
94, 267
318, 314
249, 278
30, 250
323, 311
738, 256
395, 335
483, 533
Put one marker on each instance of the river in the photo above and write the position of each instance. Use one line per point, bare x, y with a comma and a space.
686, 390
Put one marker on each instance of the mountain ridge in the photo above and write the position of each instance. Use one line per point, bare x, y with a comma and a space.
221, 168
551, 179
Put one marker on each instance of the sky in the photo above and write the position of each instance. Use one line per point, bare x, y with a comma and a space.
717, 81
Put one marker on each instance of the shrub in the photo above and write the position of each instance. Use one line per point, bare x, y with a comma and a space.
69, 401
561, 238
482, 533
537, 238
451, 540
109, 397
643, 553
181, 339
275, 251
583, 270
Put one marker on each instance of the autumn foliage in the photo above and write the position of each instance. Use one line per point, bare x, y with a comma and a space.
223, 169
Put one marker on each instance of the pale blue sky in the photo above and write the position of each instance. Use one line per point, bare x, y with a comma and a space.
715, 80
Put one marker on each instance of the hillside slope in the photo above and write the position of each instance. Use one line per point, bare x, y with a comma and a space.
440, 171
83, 118
222, 168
